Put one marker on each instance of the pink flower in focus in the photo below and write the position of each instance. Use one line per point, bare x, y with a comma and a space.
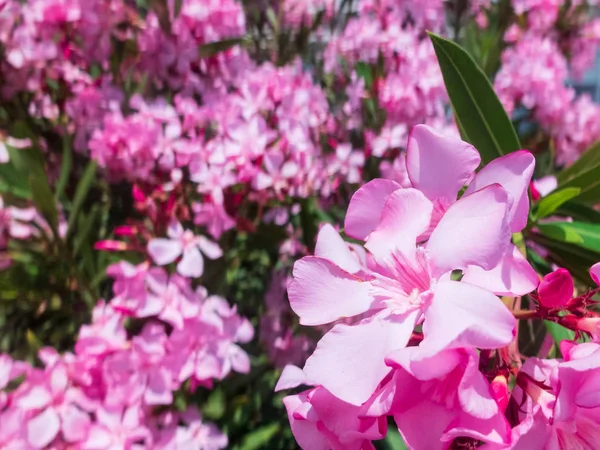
560, 401
439, 167
406, 285
320, 420
448, 390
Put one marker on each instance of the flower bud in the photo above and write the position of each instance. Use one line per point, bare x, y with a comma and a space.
501, 392
111, 246
556, 289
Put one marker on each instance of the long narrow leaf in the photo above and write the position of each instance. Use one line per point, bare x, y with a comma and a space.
80, 194
65, 168
483, 121
585, 235
552, 202
588, 160
44, 200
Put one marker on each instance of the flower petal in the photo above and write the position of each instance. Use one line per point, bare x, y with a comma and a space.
439, 166
405, 215
192, 263
513, 275
595, 273
463, 315
513, 172
164, 251
291, 377
474, 391
331, 246
474, 231
43, 428
364, 210
209, 248
306, 433
321, 292
349, 360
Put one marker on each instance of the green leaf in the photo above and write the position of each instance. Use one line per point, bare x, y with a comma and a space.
559, 333
589, 159
83, 187
260, 437
585, 235
214, 408
211, 49
481, 117
85, 228
177, 8
13, 182
393, 441
363, 70
43, 199
65, 168
589, 183
579, 212
576, 259
552, 202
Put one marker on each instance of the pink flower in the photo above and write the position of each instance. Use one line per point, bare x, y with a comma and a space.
193, 433
183, 242
439, 167
214, 217
406, 285
171, 299
141, 372
449, 390
321, 421
51, 403
560, 401
120, 428
9, 370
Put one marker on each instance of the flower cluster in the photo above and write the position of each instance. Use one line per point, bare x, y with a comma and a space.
539, 63
108, 392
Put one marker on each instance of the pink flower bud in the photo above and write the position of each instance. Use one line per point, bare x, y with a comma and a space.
111, 246
500, 391
125, 230
556, 289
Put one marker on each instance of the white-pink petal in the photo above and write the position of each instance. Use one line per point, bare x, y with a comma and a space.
437, 165
513, 172
331, 246
321, 292
473, 232
291, 377
463, 315
42, 429
406, 214
192, 263
364, 210
349, 360
595, 273
164, 251
513, 275
209, 248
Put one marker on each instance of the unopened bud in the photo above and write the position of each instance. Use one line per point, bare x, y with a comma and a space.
111, 246
500, 392
125, 230
556, 289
